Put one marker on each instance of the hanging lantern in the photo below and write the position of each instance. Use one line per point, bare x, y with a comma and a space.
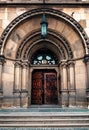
44, 26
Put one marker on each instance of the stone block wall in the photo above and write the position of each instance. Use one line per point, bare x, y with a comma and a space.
81, 15
8, 14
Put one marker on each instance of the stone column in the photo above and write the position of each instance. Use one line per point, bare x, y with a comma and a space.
17, 83
30, 85
72, 95
2, 61
86, 60
64, 91
24, 89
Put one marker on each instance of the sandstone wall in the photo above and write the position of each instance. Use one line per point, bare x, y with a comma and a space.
8, 14
79, 14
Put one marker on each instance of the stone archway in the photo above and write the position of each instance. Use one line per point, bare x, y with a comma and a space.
36, 12
22, 38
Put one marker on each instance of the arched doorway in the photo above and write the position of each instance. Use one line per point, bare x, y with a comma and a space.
44, 81
64, 34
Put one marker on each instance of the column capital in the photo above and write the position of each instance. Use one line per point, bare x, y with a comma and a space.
18, 64
86, 58
2, 59
70, 63
25, 64
63, 63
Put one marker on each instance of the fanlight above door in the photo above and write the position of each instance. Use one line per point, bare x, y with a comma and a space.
44, 57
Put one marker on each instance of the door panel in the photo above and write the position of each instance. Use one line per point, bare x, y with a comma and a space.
44, 88
50, 88
37, 88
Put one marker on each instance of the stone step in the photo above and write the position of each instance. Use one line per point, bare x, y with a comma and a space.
44, 114
45, 128
64, 125
16, 119
45, 109
38, 120
43, 121
44, 106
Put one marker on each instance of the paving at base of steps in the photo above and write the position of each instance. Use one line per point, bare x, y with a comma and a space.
43, 109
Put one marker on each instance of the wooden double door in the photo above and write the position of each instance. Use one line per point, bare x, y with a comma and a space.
44, 88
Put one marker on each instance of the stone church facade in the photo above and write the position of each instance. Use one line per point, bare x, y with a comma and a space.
51, 70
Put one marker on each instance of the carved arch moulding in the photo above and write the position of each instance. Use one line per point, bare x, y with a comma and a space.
53, 40
48, 11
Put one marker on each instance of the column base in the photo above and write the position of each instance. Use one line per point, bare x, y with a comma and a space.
1, 99
88, 102
65, 98
87, 99
24, 100
72, 98
16, 101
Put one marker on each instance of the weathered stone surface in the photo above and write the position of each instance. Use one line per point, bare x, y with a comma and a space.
67, 31
77, 16
80, 75
5, 23
15, 37
83, 23
1, 30
8, 85
87, 30
68, 37
10, 48
0, 23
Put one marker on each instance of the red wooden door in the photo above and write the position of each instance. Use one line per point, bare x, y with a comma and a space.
44, 88
50, 88
36, 97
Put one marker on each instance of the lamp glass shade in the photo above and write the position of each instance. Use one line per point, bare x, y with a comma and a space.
44, 26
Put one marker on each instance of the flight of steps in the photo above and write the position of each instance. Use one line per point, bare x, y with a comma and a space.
35, 119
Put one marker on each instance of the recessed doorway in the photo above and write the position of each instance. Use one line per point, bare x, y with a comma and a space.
44, 87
